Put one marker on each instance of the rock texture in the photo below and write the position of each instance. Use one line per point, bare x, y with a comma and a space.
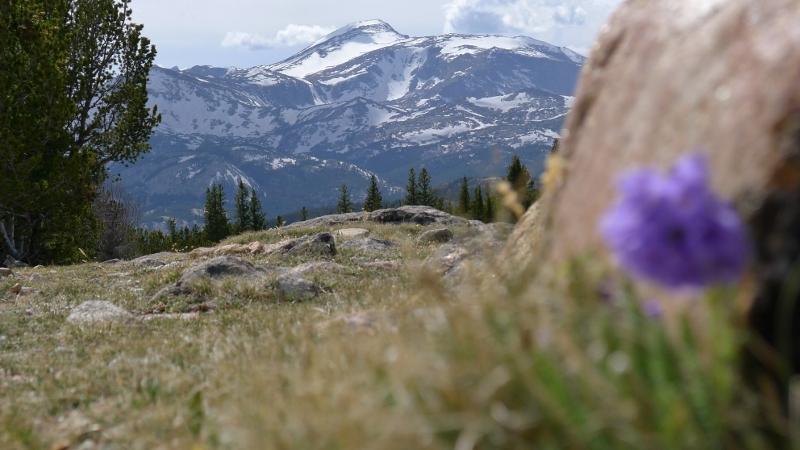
669, 77
420, 215
97, 312
438, 235
220, 267
352, 233
369, 246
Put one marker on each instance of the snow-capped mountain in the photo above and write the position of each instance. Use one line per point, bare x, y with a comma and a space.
363, 100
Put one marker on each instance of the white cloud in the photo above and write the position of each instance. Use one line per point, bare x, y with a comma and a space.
572, 23
291, 36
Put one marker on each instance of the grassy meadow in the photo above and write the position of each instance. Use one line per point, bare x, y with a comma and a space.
384, 359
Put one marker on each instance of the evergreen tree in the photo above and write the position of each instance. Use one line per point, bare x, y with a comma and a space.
489, 212
172, 230
425, 194
279, 222
217, 227
411, 188
304, 213
73, 98
464, 204
478, 207
344, 205
374, 199
242, 204
258, 220
521, 181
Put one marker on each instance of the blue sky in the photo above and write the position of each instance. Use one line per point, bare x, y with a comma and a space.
245, 33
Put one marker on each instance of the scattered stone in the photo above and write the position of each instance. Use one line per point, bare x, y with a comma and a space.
12, 263
322, 244
439, 235
369, 245
220, 267
4, 272
449, 260
97, 311
294, 287
351, 233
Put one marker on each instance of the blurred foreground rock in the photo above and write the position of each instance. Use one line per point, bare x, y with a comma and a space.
669, 77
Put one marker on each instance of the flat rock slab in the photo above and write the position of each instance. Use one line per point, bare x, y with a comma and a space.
420, 215
98, 312
437, 236
220, 267
351, 233
369, 245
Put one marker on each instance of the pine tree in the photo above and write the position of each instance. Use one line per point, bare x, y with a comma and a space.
258, 220
424, 192
411, 188
304, 213
172, 230
242, 206
279, 222
488, 215
374, 199
217, 227
344, 205
463, 198
478, 208
521, 181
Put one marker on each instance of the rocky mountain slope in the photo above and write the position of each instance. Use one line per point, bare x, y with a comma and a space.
363, 100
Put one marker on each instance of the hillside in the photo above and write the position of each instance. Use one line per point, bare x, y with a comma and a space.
365, 99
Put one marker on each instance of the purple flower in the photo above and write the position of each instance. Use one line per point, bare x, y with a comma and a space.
673, 230
653, 310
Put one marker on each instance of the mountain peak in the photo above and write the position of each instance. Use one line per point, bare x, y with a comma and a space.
375, 29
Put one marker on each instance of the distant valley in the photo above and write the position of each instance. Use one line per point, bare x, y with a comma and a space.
363, 100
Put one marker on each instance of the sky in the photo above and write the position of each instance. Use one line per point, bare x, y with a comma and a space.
245, 33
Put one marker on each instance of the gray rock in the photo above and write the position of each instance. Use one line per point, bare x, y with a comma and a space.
439, 235
449, 259
421, 215
4, 272
220, 267
295, 287
321, 244
369, 245
12, 263
154, 260
97, 312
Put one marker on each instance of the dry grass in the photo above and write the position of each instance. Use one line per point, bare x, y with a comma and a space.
382, 361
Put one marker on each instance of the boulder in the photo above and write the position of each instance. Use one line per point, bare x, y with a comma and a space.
321, 244
669, 77
420, 215
438, 235
369, 246
295, 287
219, 267
152, 261
97, 312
